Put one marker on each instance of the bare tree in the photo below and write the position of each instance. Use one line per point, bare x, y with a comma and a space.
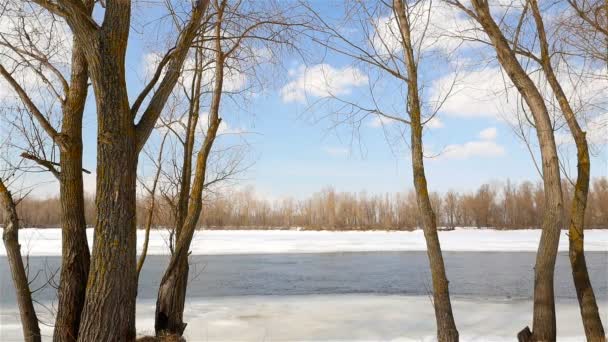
586, 297
240, 31
27, 46
397, 54
172, 289
544, 328
587, 29
109, 309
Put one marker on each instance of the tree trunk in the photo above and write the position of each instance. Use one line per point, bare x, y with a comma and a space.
29, 321
112, 283
544, 327
109, 311
592, 322
446, 327
584, 291
169, 317
173, 286
75, 249
193, 115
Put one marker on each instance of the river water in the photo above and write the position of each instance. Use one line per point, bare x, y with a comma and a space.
499, 275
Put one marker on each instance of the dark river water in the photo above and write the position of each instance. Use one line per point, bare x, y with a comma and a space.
471, 274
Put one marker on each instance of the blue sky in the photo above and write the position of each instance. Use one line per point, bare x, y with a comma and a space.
296, 151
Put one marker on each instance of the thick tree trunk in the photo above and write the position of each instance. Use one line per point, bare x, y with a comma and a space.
109, 311
10, 236
75, 249
544, 327
584, 291
169, 317
446, 327
112, 283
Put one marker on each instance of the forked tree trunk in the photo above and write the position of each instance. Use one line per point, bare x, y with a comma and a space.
544, 327
109, 309
10, 236
75, 249
584, 291
112, 283
173, 286
446, 327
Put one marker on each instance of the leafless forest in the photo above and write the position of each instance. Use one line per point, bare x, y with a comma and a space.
63, 61
500, 205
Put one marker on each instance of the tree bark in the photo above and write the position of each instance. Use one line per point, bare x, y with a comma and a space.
10, 236
109, 310
75, 249
544, 327
592, 322
446, 327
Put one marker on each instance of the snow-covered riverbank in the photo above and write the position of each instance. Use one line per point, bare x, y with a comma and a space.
47, 242
340, 318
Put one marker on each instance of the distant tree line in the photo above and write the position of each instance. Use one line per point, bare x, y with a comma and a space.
504, 205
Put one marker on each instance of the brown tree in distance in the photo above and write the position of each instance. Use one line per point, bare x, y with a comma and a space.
544, 326
109, 309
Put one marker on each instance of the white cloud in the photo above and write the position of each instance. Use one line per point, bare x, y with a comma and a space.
489, 93
336, 151
471, 149
379, 121
233, 79
596, 128
442, 28
488, 133
434, 123
179, 126
321, 80
485, 148
477, 94
51, 37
